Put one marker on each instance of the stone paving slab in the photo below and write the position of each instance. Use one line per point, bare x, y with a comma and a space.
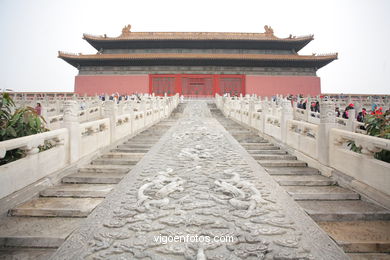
26, 253
114, 161
105, 168
94, 177
292, 171
274, 157
321, 193
135, 156
313, 180
78, 190
35, 232
369, 256
254, 152
344, 210
360, 236
62, 207
197, 181
282, 163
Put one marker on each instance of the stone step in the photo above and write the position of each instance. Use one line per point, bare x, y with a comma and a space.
154, 134
281, 163
241, 133
250, 140
360, 236
142, 140
259, 148
274, 157
138, 146
56, 207
36, 232
254, 152
306, 180
26, 253
254, 146
105, 168
94, 178
321, 193
292, 171
113, 161
133, 156
78, 190
344, 210
368, 256
126, 149
249, 137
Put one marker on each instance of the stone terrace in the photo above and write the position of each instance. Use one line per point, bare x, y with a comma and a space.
201, 174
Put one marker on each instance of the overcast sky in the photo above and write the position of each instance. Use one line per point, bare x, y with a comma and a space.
33, 31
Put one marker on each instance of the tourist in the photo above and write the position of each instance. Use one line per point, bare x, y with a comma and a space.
82, 104
361, 115
337, 110
300, 104
373, 109
346, 111
317, 107
312, 106
304, 105
38, 108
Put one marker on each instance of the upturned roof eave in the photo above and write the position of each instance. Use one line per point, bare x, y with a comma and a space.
118, 42
117, 60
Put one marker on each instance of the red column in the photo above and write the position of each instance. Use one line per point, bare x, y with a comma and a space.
178, 87
216, 87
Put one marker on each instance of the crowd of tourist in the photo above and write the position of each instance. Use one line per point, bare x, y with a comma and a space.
117, 97
315, 107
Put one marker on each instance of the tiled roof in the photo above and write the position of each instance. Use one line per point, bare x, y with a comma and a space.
195, 36
203, 56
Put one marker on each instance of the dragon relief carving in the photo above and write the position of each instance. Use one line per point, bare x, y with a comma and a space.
197, 197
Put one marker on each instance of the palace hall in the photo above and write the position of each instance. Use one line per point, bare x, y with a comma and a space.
197, 64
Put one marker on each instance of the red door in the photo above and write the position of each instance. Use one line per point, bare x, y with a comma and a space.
162, 85
197, 85
233, 86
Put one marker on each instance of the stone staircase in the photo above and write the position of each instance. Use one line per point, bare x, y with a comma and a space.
37, 227
360, 227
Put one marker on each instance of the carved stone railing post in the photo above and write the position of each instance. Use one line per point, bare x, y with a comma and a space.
287, 114
71, 108
308, 109
143, 110
264, 113
242, 108
251, 111
351, 120
327, 121
131, 105
273, 107
109, 111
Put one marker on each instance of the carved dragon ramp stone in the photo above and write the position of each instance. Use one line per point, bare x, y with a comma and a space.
198, 184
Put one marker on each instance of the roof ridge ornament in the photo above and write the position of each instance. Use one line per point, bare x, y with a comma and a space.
268, 30
126, 30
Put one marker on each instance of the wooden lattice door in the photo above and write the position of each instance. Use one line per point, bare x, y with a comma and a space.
162, 85
233, 86
197, 86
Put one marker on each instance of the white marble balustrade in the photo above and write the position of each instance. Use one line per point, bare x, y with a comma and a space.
75, 140
321, 138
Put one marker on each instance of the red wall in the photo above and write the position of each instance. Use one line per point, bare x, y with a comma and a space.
272, 85
109, 84
260, 85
